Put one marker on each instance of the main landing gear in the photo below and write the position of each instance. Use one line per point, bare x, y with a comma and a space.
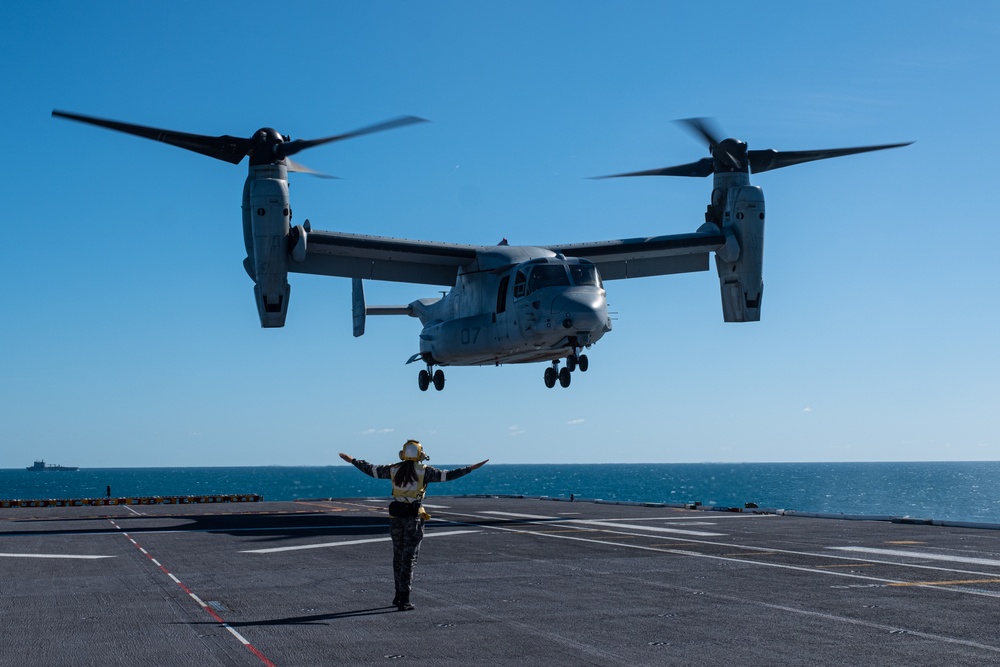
565, 375
425, 378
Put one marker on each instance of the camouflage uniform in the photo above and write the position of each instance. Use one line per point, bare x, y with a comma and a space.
406, 535
407, 532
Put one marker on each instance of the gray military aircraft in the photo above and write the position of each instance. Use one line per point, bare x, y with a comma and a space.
506, 303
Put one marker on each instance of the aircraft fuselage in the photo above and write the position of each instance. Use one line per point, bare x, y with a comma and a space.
514, 305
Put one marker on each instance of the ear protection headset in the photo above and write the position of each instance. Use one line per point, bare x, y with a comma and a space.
413, 451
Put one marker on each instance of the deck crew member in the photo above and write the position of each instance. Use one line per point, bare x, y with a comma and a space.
407, 515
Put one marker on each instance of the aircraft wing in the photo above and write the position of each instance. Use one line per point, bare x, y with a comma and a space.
652, 256
383, 258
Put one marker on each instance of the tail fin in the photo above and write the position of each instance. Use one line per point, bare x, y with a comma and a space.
358, 306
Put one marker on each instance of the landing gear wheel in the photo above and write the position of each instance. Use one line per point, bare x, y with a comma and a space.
550, 377
423, 380
571, 362
565, 376
439, 379
584, 363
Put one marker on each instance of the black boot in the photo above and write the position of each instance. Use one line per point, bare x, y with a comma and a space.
395, 600
404, 602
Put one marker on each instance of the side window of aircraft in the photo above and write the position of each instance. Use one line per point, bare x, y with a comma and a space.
585, 274
547, 275
502, 294
519, 285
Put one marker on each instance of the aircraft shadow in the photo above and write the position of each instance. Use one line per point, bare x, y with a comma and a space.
266, 527
254, 527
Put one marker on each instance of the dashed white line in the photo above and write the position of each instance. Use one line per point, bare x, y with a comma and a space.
253, 649
236, 634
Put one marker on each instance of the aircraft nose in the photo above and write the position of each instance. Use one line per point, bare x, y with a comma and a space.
580, 311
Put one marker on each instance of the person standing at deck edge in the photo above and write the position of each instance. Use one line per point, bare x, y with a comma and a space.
406, 512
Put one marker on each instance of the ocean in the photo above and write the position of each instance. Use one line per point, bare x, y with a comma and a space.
952, 491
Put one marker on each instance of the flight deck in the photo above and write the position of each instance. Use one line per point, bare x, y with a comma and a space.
499, 581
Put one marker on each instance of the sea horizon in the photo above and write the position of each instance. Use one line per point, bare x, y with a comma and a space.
944, 490
339, 463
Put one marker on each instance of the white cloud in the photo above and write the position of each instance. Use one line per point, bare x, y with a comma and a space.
515, 430
376, 431
576, 421
807, 409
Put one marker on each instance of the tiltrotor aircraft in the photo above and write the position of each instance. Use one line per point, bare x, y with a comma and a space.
506, 303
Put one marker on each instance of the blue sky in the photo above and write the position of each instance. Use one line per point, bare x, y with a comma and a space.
129, 334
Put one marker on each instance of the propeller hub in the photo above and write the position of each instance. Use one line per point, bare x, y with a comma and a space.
730, 155
264, 146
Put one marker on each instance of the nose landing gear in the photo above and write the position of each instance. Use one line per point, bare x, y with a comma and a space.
425, 378
574, 360
565, 375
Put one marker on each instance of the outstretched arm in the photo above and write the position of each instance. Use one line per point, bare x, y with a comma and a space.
379, 472
436, 475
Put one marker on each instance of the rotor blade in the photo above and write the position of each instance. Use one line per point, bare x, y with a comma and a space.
293, 147
302, 169
766, 160
702, 167
703, 128
226, 148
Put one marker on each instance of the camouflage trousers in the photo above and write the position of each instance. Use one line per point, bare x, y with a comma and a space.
406, 535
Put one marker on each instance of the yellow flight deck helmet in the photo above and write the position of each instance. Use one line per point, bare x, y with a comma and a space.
413, 451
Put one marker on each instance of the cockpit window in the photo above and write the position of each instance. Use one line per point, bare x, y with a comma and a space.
519, 283
547, 275
584, 274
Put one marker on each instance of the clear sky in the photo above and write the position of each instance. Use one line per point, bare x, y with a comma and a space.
128, 331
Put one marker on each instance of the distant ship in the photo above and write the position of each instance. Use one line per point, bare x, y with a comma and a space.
41, 465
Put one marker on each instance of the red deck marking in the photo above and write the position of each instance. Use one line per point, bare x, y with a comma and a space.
253, 649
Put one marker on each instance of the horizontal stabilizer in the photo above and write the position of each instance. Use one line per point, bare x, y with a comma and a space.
388, 310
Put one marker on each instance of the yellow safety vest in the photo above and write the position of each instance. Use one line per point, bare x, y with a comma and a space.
413, 492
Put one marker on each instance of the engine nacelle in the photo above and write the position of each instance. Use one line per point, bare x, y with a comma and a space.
741, 273
269, 216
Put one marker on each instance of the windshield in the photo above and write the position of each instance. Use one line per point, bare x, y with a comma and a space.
584, 274
547, 275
